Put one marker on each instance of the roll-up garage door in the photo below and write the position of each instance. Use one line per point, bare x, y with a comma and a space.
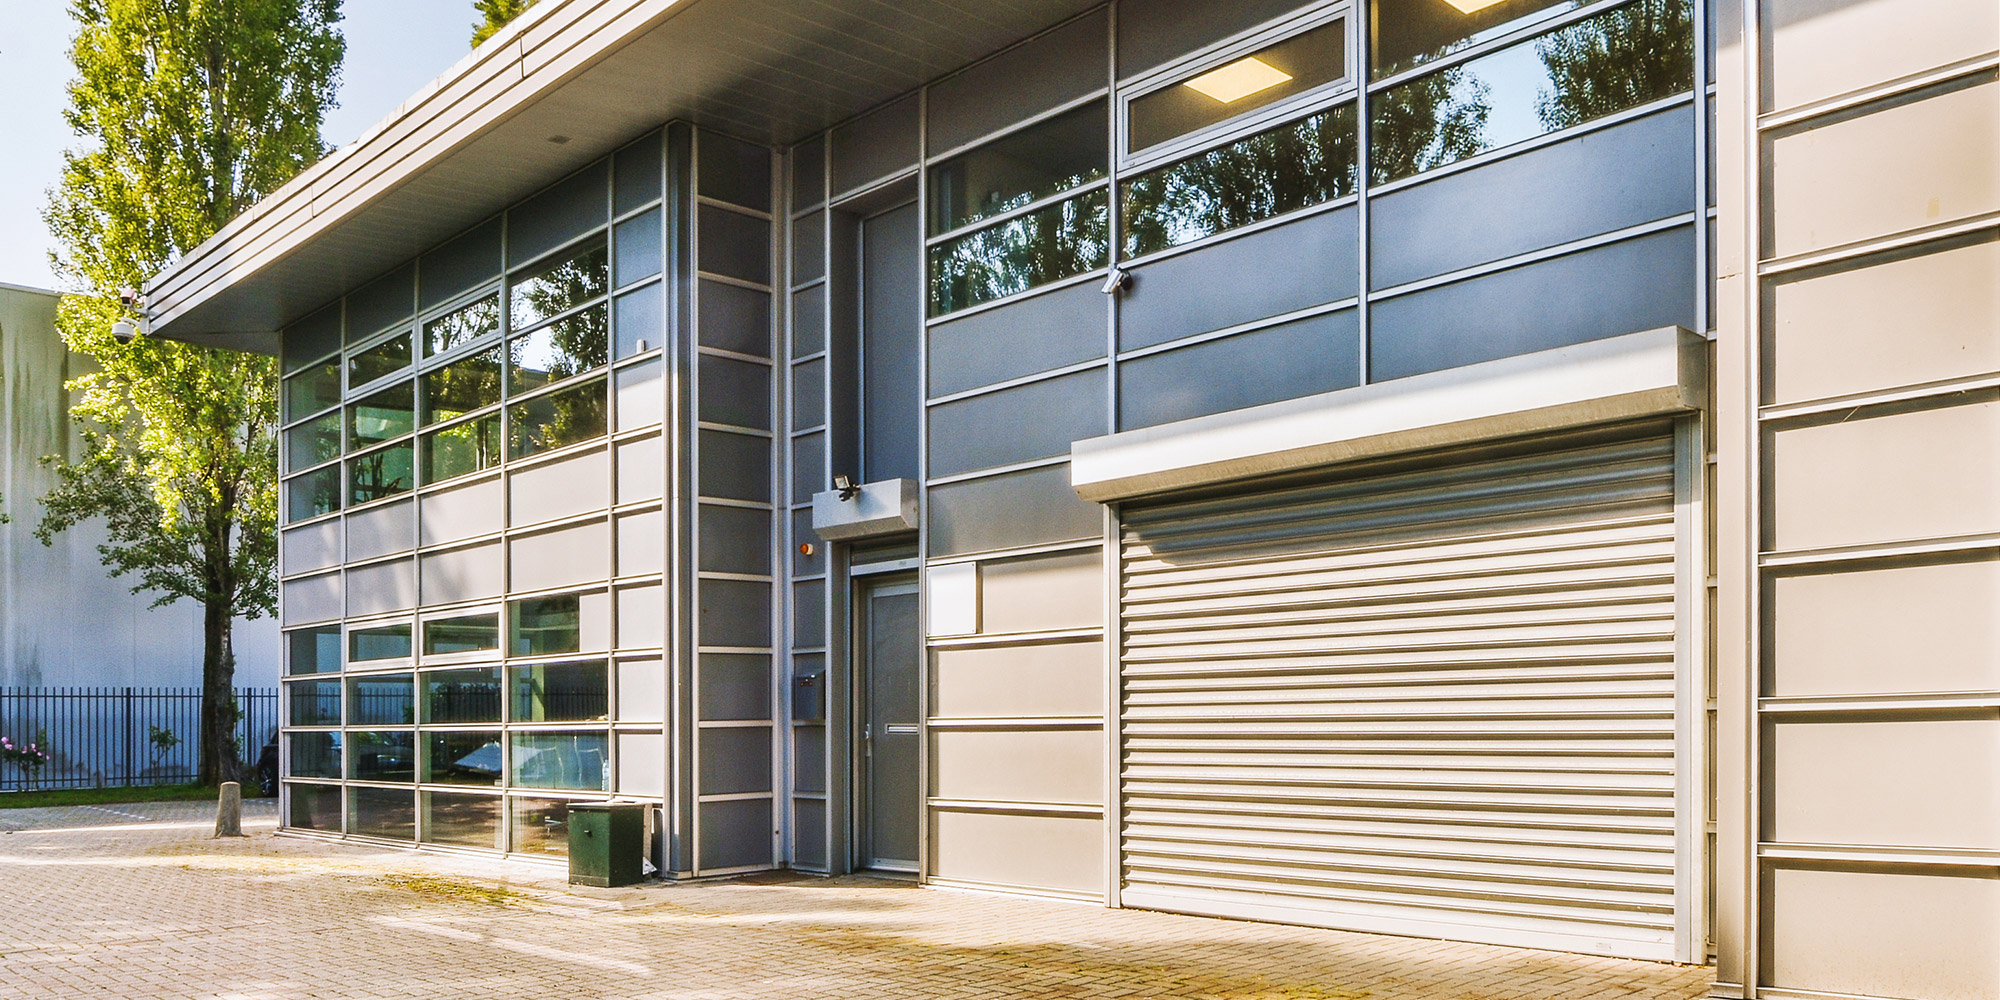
1430, 696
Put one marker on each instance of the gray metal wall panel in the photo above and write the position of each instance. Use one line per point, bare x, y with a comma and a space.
1429, 692
1301, 358
734, 686
1553, 195
1033, 421
380, 531
735, 245
876, 145
735, 318
1039, 74
736, 393
1639, 284
1032, 335
1241, 279
1011, 510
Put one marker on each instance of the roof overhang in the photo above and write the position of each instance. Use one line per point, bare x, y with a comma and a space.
596, 72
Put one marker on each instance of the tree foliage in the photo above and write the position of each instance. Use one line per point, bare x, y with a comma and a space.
189, 112
494, 15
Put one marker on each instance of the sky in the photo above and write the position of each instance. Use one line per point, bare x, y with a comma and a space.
393, 47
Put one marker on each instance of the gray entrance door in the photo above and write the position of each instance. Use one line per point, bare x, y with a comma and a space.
887, 673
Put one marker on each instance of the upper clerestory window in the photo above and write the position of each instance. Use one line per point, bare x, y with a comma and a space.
1202, 98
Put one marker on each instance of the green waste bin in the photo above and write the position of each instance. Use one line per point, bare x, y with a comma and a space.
607, 843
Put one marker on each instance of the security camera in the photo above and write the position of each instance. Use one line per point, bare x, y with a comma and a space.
130, 296
124, 330
1116, 281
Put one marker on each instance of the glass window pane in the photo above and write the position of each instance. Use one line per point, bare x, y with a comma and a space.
387, 700
463, 326
313, 703
570, 346
382, 756
386, 642
556, 288
561, 692
314, 650
314, 755
1296, 165
1620, 59
313, 494
462, 635
462, 386
571, 760
546, 625
1066, 151
462, 820
541, 826
1026, 251
454, 696
313, 807
388, 813
462, 449
312, 390
313, 442
382, 359
462, 758
387, 414
383, 473
557, 420
1409, 33
1297, 64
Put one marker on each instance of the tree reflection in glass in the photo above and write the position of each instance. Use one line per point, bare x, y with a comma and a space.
557, 420
463, 326
567, 347
461, 387
1293, 166
1050, 244
560, 287
1614, 61
462, 448
384, 473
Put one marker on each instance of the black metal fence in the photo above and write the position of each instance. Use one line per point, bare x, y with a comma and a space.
113, 737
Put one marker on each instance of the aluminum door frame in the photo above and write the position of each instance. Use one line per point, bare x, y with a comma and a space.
891, 577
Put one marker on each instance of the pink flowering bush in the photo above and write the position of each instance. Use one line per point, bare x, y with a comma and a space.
28, 757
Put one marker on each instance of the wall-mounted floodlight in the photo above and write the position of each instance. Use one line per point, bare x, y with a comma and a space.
845, 484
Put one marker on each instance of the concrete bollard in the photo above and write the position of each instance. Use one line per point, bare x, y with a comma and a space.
229, 811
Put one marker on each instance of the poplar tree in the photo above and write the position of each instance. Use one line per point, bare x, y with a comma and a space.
494, 15
188, 112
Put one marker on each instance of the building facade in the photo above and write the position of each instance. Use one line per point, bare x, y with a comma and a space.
44, 643
1515, 472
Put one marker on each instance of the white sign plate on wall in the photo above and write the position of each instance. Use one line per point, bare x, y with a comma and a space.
953, 599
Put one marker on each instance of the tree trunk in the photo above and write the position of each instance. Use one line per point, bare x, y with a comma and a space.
219, 752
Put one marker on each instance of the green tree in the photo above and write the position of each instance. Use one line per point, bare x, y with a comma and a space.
189, 111
494, 15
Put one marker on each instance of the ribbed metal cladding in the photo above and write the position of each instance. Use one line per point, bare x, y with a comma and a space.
1431, 696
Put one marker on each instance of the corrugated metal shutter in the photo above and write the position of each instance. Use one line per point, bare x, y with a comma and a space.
1432, 696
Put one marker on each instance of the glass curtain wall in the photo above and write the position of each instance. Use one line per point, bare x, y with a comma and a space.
470, 725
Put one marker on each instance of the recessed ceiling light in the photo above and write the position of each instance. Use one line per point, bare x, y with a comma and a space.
1471, 6
560, 139
1240, 79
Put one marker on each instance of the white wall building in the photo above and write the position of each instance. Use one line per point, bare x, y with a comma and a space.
64, 621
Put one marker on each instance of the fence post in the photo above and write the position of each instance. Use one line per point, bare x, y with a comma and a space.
130, 774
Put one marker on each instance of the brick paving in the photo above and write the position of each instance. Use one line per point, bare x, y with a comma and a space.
136, 901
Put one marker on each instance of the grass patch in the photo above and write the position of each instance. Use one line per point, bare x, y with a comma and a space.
106, 796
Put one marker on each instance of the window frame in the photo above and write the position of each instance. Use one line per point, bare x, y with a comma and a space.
1221, 53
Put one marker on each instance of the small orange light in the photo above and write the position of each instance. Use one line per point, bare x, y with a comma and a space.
806, 549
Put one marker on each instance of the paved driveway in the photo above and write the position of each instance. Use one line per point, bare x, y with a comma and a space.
135, 901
